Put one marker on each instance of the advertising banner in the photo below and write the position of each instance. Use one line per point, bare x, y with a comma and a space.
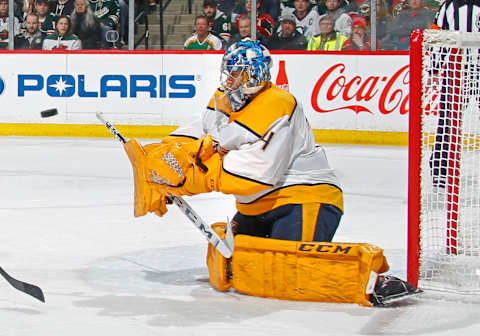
338, 91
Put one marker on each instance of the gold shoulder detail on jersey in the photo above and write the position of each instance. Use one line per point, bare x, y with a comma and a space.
270, 105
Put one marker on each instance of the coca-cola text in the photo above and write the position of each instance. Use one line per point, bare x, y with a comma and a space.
391, 92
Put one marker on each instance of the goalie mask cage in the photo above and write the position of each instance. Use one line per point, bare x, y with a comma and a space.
444, 162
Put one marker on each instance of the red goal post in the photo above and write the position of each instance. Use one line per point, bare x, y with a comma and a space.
444, 161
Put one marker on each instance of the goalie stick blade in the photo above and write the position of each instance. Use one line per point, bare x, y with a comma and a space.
27, 288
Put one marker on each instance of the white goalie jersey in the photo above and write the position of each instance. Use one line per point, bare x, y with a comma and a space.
269, 141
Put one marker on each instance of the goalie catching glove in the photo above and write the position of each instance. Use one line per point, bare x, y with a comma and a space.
162, 169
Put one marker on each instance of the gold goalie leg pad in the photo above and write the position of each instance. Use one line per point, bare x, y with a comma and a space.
306, 271
217, 263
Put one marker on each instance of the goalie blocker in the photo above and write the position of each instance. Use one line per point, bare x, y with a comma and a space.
306, 271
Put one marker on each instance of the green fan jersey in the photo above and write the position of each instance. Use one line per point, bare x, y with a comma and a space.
221, 26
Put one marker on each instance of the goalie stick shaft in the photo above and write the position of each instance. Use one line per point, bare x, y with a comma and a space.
25, 287
112, 129
221, 245
225, 247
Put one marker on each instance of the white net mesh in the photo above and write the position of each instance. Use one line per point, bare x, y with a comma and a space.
450, 164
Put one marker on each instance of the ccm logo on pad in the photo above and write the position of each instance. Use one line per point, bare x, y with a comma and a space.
324, 248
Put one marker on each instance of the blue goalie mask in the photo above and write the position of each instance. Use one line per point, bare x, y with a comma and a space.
245, 71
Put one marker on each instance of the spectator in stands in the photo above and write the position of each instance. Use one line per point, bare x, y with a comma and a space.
384, 18
61, 7
306, 18
4, 20
123, 20
45, 18
244, 30
349, 6
328, 39
289, 38
272, 8
86, 25
31, 37
265, 23
417, 17
364, 10
399, 6
28, 6
62, 39
359, 40
202, 39
286, 4
235, 7
219, 23
108, 13
232, 8
343, 21
225, 6
18, 6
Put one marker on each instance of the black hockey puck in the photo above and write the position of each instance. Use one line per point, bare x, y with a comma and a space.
49, 113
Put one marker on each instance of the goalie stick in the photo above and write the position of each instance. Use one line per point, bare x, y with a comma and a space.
27, 288
224, 246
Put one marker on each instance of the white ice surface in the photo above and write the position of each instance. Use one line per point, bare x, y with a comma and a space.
67, 225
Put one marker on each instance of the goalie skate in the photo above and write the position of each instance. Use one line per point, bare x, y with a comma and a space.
389, 289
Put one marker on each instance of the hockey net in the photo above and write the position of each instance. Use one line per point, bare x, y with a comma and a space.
444, 161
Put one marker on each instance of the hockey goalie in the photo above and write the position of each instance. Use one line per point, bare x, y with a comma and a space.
254, 141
